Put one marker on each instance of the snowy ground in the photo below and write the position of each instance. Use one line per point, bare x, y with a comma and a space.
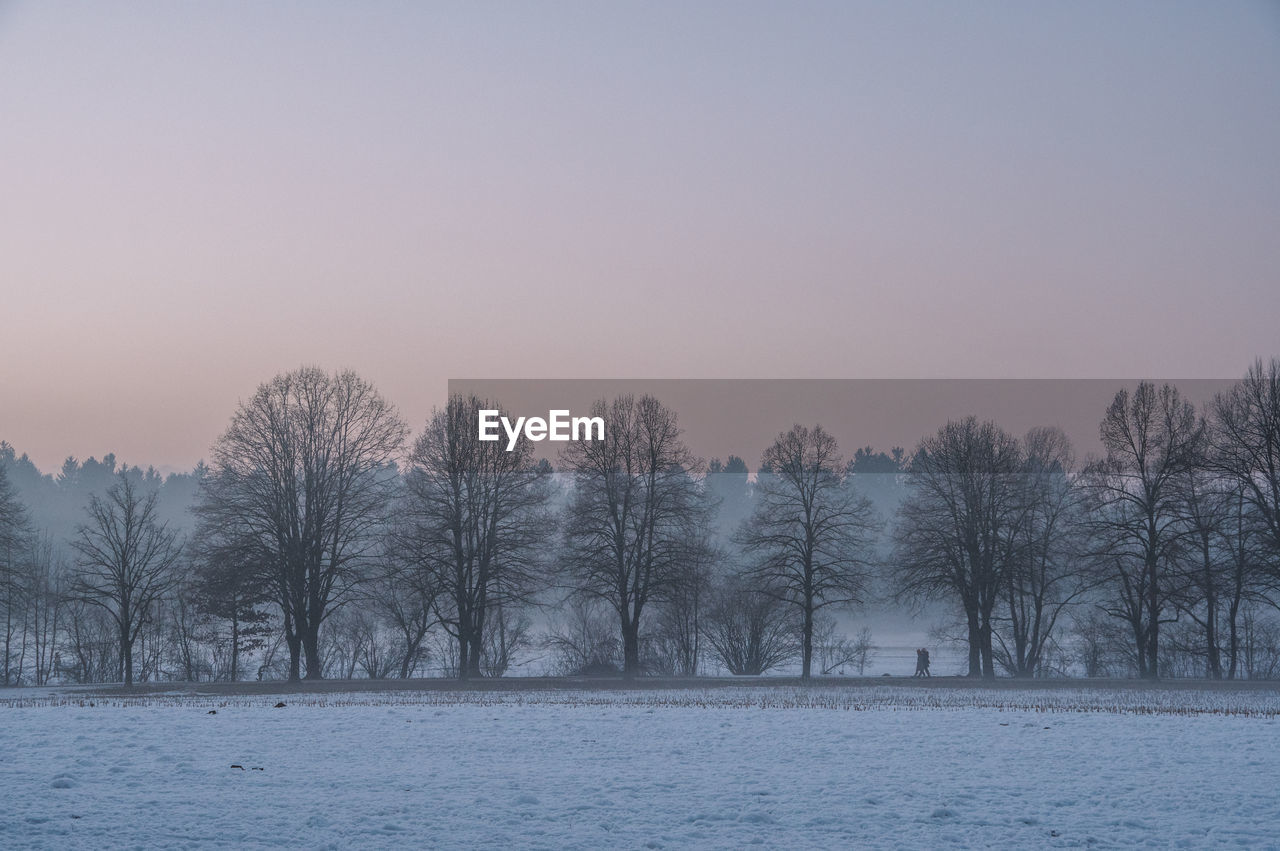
821, 767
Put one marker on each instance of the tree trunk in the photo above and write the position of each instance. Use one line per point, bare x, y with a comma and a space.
8, 637
806, 651
235, 644
1211, 638
1153, 651
1153, 612
1021, 654
1140, 642
1233, 647
975, 645
295, 655
464, 654
410, 651
988, 651
126, 659
475, 651
477, 644
631, 649
311, 647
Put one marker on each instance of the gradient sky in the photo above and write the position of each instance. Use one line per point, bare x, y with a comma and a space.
193, 198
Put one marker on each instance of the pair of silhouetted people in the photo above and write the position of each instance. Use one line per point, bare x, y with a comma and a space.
922, 663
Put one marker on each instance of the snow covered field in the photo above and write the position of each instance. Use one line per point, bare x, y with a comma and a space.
820, 767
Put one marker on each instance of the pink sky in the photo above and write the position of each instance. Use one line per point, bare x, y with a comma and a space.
194, 199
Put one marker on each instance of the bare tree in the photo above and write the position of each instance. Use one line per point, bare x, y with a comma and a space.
45, 595
958, 532
635, 525
1248, 580
863, 650
299, 484
1152, 439
91, 642
751, 632
13, 548
190, 637
836, 651
507, 632
358, 640
1205, 560
1245, 439
342, 642
379, 656
1045, 576
1101, 647
676, 636
1260, 643
476, 521
809, 538
126, 559
584, 639
404, 594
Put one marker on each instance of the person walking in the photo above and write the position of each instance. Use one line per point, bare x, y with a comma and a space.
924, 662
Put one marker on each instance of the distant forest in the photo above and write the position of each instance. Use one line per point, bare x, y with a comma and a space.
323, 538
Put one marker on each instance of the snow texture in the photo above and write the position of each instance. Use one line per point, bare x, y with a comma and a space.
724, 768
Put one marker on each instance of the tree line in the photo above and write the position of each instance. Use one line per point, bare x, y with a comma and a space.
324, 539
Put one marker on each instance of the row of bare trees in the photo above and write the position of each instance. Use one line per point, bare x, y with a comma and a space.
304, 493
1175, 523
326, 542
